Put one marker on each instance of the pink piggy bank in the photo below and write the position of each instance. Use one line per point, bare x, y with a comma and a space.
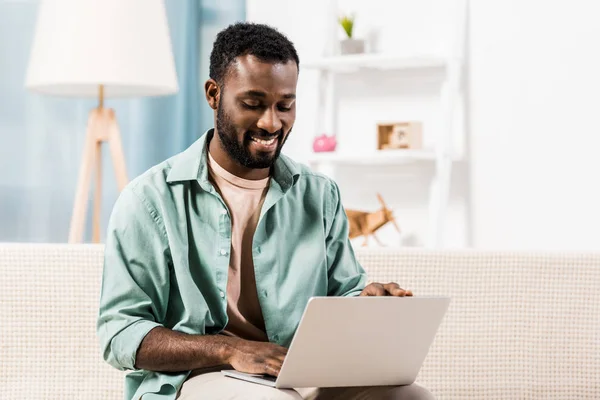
324, 143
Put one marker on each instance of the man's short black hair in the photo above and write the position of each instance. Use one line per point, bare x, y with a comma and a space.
243, 38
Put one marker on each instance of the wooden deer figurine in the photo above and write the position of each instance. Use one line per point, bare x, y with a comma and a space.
366, 223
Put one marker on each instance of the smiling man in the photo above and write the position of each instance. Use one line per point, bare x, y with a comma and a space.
212, 255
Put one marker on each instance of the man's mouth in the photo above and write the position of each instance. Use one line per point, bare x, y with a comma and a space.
265, 142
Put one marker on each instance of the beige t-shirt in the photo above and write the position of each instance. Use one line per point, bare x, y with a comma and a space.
244, 198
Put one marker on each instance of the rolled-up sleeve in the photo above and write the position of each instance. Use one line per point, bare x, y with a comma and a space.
346, 277
135, 280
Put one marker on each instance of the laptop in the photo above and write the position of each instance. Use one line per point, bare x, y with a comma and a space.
358, 341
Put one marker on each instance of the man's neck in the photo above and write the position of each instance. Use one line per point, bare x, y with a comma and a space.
222, 158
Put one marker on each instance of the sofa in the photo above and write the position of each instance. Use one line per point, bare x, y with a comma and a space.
520, 325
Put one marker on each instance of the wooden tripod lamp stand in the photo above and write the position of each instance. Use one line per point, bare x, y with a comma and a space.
101, 49
102, 128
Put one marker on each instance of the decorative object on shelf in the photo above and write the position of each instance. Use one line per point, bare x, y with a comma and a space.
400, 135
98, 49
350, 45
324, 143
365, 224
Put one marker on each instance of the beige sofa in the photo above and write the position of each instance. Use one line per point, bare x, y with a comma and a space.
520, 325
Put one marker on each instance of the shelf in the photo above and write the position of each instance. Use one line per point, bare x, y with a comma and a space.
377, 157
354, 62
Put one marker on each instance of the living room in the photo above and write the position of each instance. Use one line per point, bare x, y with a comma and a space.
457, 137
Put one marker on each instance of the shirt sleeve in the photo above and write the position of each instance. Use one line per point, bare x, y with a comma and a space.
346, 277
135, 280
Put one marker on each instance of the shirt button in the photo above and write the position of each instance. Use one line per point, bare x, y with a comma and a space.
224, 211
222, 294
257, 249
223, 252
275, 337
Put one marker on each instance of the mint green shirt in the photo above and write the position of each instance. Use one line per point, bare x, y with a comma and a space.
167, 259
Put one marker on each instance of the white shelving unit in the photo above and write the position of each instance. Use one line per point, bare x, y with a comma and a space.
383, 157
356, 62
442, 157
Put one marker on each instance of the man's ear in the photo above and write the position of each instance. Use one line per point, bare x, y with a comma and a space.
213, 93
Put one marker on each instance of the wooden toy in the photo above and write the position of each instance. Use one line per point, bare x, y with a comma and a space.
365, 224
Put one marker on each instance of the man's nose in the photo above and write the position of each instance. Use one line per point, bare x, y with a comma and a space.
269, 121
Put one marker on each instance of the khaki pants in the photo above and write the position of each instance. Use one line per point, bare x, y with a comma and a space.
216, 386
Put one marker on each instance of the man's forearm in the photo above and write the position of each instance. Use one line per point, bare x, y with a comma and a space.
165, 350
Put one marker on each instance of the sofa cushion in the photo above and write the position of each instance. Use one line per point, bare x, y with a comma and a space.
520, 325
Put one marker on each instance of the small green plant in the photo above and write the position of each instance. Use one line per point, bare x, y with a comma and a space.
347, 22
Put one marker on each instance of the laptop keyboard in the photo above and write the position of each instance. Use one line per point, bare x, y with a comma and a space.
269, 378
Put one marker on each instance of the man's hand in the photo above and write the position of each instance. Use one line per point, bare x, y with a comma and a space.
388, 289
257, 357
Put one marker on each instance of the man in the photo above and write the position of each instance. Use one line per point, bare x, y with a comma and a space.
212, 256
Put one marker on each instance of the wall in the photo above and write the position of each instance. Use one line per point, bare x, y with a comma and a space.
534, 120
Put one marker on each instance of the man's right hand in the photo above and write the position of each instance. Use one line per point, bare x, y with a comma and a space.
257, 357
165, 350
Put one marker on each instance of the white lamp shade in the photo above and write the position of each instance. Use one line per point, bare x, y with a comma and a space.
121, 44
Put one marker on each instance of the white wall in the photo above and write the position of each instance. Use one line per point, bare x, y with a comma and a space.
534, 79
535, 102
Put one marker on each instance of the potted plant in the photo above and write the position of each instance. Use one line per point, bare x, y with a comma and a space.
350, 45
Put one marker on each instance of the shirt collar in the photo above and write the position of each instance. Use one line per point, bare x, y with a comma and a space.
192, 164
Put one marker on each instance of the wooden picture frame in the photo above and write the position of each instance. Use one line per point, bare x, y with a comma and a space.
400, 135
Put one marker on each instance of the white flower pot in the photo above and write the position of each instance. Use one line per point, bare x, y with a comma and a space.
352, 46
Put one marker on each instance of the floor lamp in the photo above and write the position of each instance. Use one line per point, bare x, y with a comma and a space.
101, 49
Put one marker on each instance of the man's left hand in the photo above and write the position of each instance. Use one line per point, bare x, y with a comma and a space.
387, 289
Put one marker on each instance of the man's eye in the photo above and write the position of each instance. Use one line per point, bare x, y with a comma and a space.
282, 108
251, 106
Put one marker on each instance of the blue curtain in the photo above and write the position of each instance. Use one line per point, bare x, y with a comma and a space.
41, 137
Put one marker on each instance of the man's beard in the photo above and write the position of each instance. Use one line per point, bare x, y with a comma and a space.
239, 150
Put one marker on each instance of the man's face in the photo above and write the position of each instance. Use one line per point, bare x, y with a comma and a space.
256, 110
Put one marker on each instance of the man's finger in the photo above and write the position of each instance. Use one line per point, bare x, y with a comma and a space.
405, 292
374, 289
379, 289
273, 366
280, 357
281, 350
391, 287
395, 290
